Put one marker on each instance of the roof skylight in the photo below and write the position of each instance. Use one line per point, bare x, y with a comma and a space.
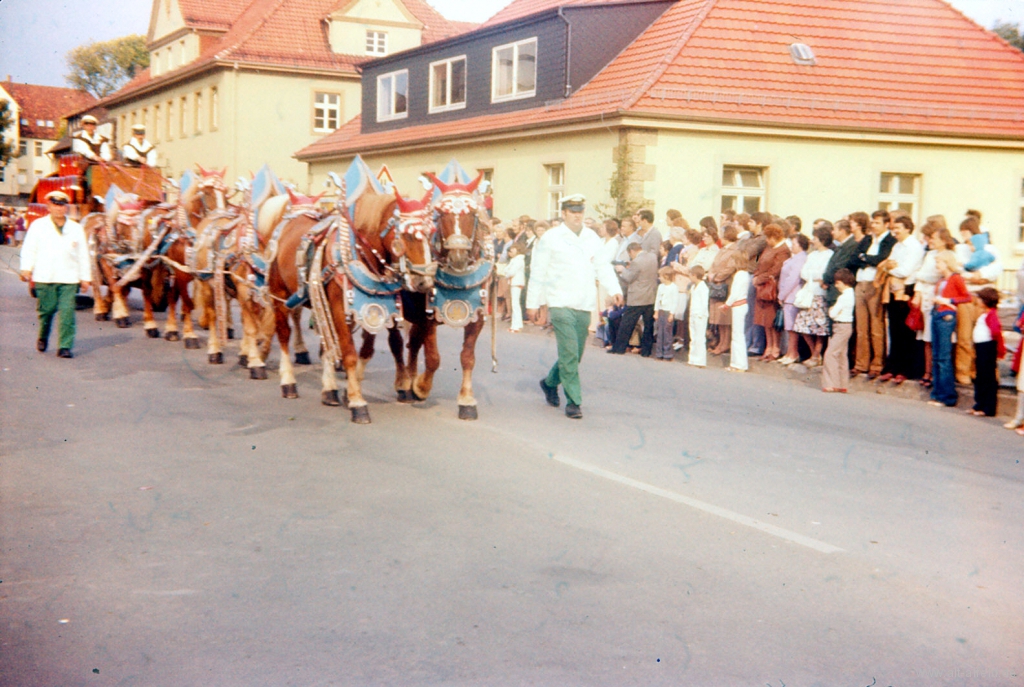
802, 54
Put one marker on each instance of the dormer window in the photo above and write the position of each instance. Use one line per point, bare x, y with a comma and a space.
376, 42
802, 54
514, 71
448, 84
393, 96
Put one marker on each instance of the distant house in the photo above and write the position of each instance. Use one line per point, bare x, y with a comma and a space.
809, 107
37, 112
240, 83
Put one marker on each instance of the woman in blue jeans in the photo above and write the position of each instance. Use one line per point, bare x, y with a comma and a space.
949, 292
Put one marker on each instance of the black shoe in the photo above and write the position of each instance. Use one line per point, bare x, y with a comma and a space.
550, 394
65, 353
573, 411
41, 345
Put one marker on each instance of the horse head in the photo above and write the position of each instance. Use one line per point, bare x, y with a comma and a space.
210, 190
411, 241
459, 236
123, 214
372, 221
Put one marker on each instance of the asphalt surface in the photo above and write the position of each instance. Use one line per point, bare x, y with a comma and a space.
164, 521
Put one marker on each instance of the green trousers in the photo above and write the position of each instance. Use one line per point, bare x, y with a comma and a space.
52, 299
571, 331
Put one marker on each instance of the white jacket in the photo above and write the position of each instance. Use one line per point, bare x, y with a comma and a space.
515, 270
565, 269
56, 257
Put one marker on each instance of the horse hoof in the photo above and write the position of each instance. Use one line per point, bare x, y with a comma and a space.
290, 390
330, 398
467, 413
172, 336
415, 398
361, 415
257, 372
231, 333
123, 323
102, 316
192, 343
153, 333
243, 360
404, 396
302, 358
216, 358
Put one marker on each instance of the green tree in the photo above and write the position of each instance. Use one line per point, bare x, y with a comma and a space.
103, 67
6, 122
1009, 33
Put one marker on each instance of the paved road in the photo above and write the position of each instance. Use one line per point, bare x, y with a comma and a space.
168, 522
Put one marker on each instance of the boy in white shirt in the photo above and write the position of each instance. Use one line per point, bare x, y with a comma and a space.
835, 371
698, 318
664, 314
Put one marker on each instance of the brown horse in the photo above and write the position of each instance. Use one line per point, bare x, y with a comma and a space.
124, 242
372, 249
464, 253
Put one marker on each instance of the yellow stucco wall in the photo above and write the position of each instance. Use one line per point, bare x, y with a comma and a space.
261, 118
348, 31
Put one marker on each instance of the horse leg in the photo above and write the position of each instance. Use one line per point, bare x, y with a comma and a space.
467, 404
365, 354
148, 321
187, 306
289, 388
252, 316
204, 295
121, 318
171, 326
427, 338
301, 352
403, 382
101, 302
349, 357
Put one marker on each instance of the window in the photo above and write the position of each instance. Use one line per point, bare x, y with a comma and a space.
182, 46
3, 174
326, 112
122, 128
393, 96
743, 189
556, 188
22, 148
1020, 233
183, 116
899, 192
214, 110
197, 125
156, 124
170, 120
376, 42
49, 123
39, 148
514, 71
448, 85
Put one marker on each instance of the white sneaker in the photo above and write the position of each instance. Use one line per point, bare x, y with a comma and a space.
677, 346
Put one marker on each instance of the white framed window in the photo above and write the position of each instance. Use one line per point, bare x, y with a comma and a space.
900, 192
39, 148
326, 112
376, 42
556, 188
448, 84
393, 96
743, 189
514, 71
22, 148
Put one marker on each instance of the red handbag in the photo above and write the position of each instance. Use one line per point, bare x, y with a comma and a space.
915, 318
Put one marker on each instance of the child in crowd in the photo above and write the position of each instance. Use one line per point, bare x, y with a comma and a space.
737, 302
515, 271
664, 314
835, 373
988, 349
698, 318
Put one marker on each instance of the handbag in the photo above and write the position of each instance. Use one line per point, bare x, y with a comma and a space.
780, 320
915, 318
718, 291
768, 290
804, 298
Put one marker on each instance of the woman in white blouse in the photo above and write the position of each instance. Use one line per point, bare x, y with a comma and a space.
812, 322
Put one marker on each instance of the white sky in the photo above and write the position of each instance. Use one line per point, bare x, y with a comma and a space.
35, 35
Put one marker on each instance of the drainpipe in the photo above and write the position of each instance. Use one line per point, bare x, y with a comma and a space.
568, 49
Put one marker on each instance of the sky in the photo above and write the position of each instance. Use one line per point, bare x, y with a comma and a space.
35, 35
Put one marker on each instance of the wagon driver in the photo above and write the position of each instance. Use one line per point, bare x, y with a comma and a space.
55, 256
138, 151
564, 272
92, 146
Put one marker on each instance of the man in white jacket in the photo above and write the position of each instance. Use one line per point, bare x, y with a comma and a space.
56, 258
564, 272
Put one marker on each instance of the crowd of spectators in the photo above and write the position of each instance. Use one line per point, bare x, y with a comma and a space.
867, 295
12, 226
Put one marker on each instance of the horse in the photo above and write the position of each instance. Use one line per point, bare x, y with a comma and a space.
465, 258
351, 263
124, 242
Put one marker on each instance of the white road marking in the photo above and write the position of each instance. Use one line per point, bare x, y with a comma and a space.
700, 505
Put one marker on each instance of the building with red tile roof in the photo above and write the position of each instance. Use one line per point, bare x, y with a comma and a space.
895, 98
224, 73
38, 112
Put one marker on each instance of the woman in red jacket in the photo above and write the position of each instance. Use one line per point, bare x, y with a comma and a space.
949, 292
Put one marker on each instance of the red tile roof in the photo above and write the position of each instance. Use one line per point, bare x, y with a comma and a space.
279, 33
912, 66
526, 8
45, 104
